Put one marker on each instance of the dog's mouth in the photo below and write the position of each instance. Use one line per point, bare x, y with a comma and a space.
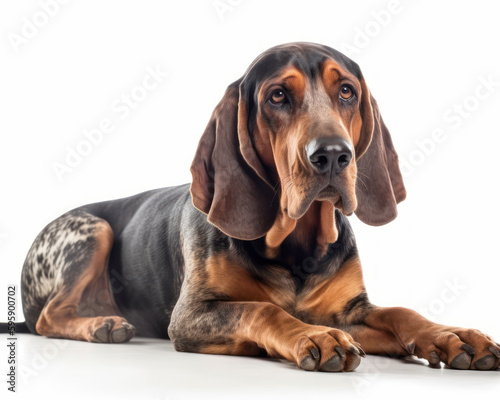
341, 198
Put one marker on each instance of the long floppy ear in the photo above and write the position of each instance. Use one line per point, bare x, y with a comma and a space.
380, 185
229, 183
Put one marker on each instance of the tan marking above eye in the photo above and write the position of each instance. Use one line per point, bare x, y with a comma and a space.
278, 96
346, 92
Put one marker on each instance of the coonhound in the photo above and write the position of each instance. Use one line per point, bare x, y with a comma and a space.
256, 256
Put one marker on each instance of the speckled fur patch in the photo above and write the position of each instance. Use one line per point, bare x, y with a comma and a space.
57, 257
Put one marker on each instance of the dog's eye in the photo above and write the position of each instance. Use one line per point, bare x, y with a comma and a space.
278, 96
346, 92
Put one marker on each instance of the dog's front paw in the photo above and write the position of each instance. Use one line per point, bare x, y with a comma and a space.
111, 329
326, 349
457, 348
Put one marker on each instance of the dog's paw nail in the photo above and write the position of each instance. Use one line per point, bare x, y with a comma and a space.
468, 348
341, 351
495, 351
315, 353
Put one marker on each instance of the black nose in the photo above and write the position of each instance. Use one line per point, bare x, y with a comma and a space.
329, 154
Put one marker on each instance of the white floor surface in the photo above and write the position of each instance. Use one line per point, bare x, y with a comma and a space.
151, 369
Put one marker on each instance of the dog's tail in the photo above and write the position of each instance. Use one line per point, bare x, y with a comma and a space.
18, 327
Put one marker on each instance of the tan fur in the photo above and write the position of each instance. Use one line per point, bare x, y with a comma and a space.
326, 297
264, 326
230, 279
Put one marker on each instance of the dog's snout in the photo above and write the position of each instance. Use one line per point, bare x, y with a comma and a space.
329, 154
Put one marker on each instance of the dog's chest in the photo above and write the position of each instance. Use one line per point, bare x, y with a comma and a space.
317, 300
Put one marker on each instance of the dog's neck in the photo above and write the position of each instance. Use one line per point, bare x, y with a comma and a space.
317, 223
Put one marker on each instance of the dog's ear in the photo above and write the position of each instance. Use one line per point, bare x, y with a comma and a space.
229, 183
379, 186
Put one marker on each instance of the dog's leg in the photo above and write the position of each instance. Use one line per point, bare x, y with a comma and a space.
400, 331
259, 328
65, 285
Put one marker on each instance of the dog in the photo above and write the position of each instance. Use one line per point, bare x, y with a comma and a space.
256, 257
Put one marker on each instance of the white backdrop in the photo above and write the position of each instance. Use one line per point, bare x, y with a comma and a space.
148, 74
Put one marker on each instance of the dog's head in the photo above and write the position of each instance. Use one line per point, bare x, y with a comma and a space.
300, 126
